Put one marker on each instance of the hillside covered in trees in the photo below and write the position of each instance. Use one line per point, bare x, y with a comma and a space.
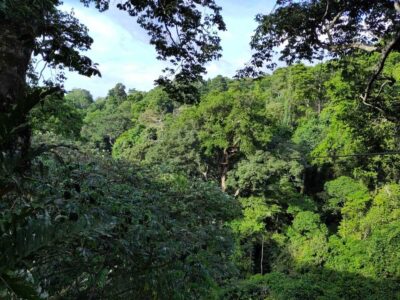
279, 185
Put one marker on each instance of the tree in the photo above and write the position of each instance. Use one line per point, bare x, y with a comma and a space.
117, 93
79, 98
217, 84
308, 239
106, 120
57, 115
310, 30
223, 128
37, 29
149, 113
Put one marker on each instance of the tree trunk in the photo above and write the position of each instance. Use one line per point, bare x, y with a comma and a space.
16, 47
15, 54
224, 169
262, 256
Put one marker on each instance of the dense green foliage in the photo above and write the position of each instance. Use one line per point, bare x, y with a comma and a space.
283, 187
280, 145
249, 194
84, 226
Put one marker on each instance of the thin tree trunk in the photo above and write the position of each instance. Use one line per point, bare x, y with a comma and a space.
224, 169
262, 255
303, 186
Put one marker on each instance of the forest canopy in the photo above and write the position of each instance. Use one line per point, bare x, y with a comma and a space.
270, 185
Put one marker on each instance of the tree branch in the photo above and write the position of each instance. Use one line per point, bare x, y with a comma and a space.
365, 47
332, 23
384, 55
397, 6
382, 86
326, 10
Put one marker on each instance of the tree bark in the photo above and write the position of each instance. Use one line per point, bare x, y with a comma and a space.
16, 47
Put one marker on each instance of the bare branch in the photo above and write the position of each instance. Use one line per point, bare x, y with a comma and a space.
384, 55
373, 106
365, 47
383, 86
170, 35
41, 72
326, 10
331, 24
397, 6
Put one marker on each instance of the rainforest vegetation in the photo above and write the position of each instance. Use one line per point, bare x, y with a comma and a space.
271, 185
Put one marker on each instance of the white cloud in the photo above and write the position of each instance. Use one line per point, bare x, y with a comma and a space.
122, 51
120, 56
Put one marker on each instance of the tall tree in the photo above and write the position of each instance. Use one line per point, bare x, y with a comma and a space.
79, 98
37, 29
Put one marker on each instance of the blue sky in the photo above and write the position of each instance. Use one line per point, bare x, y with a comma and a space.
122, 51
